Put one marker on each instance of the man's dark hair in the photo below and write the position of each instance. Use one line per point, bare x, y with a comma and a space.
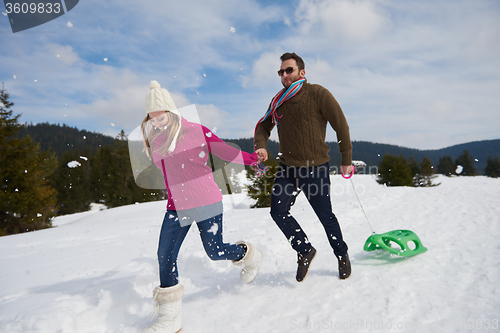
298, 60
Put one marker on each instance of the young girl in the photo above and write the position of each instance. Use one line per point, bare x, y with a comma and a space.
180, 149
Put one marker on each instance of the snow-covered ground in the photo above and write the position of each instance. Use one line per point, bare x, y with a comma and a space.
95, 272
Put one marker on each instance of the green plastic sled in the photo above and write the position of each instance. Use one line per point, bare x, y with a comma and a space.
400, 238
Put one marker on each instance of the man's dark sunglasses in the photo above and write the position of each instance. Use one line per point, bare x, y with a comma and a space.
288, 70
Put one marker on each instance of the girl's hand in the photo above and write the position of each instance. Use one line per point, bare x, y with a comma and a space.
262, 154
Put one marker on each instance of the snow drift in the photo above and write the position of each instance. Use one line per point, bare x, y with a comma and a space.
95, 271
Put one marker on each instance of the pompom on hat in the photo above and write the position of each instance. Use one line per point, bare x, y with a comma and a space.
159, 99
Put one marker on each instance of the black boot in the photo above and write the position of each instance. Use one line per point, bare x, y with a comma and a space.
303, 263
344, 266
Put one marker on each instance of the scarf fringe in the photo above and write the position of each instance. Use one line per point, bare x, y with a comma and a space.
261, 169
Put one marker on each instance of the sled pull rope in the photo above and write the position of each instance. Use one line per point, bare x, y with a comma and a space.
360, 205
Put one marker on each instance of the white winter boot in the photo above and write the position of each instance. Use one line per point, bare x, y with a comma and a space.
169, 305
250, 263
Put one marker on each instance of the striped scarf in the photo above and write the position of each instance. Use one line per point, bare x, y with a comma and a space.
281, 97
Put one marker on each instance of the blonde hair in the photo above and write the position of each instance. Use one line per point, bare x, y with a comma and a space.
150, 133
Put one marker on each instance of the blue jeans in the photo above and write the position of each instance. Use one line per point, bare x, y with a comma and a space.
314, 182
172, 235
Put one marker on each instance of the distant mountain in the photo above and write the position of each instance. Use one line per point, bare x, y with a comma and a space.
61, 138
372, 153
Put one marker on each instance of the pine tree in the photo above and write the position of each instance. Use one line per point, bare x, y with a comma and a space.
260, 188
27, 202
414, 167
71, 180
395, 171
220, 174
99, 164
492, 167
446, 166
426, 174
235, 182
467, 162
415, 170
107, 177
112, 180
225, 173
121, 176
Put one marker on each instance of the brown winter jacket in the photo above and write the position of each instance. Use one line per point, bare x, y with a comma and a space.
302, 129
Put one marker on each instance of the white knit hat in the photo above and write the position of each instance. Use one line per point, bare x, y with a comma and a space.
159, 99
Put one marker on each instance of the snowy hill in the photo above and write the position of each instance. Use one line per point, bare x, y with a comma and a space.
95, 272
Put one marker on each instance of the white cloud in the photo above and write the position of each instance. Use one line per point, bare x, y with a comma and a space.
64, 53
263, 73
323, 72
385, 61
211, 116
341, 20
124, 108
440, 109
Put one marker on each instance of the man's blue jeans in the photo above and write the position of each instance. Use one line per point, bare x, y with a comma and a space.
172, 235
314, 182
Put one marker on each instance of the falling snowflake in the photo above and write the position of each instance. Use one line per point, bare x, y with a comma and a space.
213, 229
232, 30
69, 24
73, 164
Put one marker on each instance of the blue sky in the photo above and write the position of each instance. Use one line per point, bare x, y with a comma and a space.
421, 74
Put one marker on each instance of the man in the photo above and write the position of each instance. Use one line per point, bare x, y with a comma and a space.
301, 112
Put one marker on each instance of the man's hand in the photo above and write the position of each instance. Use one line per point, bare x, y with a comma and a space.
346, 170
262, 153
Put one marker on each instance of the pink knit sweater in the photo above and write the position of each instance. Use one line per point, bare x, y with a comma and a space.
188, 178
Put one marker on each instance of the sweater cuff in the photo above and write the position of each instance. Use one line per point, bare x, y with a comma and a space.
346, 158
260, 144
